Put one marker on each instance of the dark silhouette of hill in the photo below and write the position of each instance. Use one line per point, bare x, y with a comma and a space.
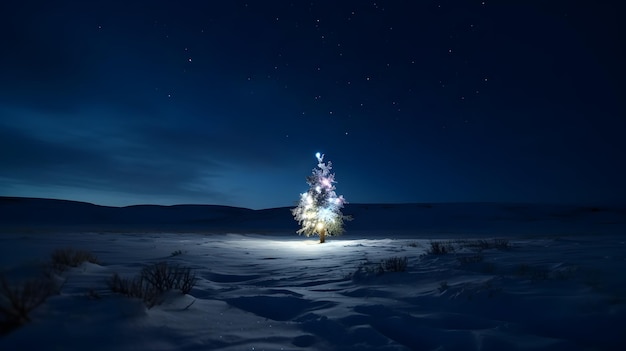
33, 214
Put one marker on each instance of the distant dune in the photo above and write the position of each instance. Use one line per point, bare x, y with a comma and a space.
32, 214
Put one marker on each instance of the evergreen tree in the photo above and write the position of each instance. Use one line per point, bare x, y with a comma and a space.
319, 209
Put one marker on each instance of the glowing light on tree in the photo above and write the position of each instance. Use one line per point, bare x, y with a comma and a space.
319, 209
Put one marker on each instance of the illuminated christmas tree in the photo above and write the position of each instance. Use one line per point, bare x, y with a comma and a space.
319, 210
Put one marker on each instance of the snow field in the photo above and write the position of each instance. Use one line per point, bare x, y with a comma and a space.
266, 292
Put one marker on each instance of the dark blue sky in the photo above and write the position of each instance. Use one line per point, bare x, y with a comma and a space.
226, 102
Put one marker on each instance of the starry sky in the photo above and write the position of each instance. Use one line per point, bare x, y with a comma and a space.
227, 102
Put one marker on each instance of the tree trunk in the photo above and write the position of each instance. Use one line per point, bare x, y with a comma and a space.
323, 236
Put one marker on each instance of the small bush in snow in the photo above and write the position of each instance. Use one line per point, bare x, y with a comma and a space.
368, 269
62, 259
440, 248
394, 264
18, 299
164, 277
131, 287
176, 253
187, 280
160, 276
153, 281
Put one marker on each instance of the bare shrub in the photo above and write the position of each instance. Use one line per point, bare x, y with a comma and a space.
17, 300
394, 264
135, 287
153, 281
131, 287
61, 259
187, 280
164, 277
160, 276
366, 270
440, 248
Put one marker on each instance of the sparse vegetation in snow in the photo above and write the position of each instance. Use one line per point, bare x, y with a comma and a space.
440, 248
62, 259
18, 299
153, 281
394, 264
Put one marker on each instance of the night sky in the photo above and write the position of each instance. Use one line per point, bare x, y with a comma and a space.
227, 102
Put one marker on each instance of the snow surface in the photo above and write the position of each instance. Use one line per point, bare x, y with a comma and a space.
551, 290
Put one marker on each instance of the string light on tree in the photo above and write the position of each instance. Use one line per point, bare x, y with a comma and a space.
319, 209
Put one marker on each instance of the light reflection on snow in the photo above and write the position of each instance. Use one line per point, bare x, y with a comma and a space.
289, 246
